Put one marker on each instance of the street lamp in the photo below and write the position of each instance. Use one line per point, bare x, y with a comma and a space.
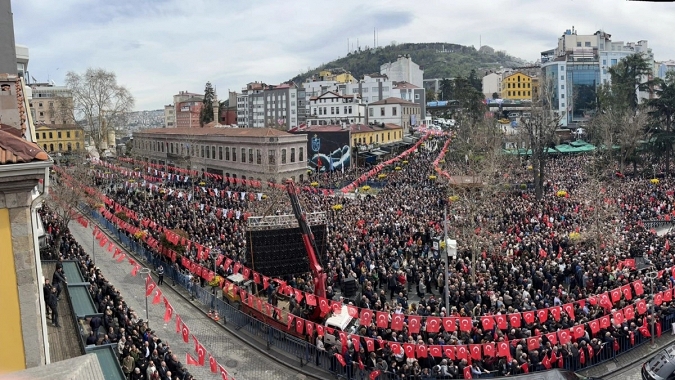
146, 272
652, 276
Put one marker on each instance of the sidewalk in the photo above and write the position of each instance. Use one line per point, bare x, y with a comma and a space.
637, 356
241, 361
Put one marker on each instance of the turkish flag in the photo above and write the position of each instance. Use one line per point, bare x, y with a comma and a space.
299, 325
564, 336
409, 350
658, 299
179, 323
396, 348
343, 338
436, 351
366, 317
157, 298
641, 306
502, 324
605, 322
213, 364
352, 311
448, 324
616, 295
569, 310
223, 373
421, 351
320, 329
397, 322
475, 351
594, 325
618, 316
382, 319
514, 320
434, 324
462, 352
465, 324
299, 297
489, 349
503, 349
370, 344
532, 343
578, 331
311, 299
200, 350
335, 306
639, 289
555, 312
185, 331
134, 270
546, 362
629, 312
667, 295
324, 306
542, 314
340, 359
190, 360
605, 301
375, 374
356, 342
414, 324
168, 312
309, 328
449, 351
149, 287
528, 317
467, 372
552, 337
488, 323
590, 351
289, 321
627, 292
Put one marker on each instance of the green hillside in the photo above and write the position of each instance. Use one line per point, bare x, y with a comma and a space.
439, 60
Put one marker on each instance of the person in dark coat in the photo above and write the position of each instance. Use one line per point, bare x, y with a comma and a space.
53, 305
46, 292
58, 281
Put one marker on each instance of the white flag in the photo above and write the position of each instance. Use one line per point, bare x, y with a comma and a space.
243, 194
229, 194
259, 196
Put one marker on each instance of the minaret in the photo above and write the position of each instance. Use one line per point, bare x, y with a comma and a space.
216, 111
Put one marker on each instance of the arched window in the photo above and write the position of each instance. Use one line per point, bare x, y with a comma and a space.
70, 147
60, 147
44, 146
77, 146
51, 147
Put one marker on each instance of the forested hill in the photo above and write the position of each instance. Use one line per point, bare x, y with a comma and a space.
439, 60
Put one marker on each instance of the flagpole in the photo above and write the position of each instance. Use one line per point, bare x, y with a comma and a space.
146, 272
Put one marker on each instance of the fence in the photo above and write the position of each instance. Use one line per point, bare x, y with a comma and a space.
307, 353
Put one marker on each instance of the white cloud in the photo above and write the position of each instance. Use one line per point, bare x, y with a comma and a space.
159, 47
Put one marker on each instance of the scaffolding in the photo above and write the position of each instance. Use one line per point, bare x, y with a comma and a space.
271, 222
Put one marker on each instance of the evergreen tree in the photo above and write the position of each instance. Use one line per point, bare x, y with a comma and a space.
206, 114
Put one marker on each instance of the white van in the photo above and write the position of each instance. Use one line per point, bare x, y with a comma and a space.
661, 366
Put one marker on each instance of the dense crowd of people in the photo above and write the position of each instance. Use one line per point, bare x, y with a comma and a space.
519, 254
142, 354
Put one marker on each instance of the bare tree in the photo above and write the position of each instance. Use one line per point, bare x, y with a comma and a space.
99, 102
540, 129
617, 133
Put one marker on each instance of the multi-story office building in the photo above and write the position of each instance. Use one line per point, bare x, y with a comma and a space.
51, 104
517, 86
403, 70
574, 69
331, 108
662, 68
184, 111
262, 154
169, 116
260, 106
395, 111
60, 138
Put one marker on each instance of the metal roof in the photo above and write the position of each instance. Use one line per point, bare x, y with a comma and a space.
107, 359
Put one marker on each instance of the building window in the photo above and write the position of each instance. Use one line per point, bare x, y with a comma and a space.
417, 96
381, 111
388, 136
58, 134
234, 154
355, 140
563, 105
213, 152
60, 147
578, 43
371, 112
202, 149
283, 156
208, 154
77, 134
227, 153
587, 44
301, 154
292, 155
613, 62
69, 147
68, 134
562, 96
243, 155
77, 145
250, 155
258, 157
51, 147
220, 153
393, 111
377, 138
271, 157
371, 139
37, 136
44, 135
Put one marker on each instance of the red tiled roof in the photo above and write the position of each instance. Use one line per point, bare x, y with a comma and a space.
59, 126
233, 132
14, 150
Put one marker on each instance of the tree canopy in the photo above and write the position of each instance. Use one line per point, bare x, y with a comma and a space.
206, 114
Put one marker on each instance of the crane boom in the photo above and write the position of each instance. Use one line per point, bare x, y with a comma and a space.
308, 240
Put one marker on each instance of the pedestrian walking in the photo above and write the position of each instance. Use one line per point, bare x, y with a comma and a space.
160, 275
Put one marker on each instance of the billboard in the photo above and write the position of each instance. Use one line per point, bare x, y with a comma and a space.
328, 151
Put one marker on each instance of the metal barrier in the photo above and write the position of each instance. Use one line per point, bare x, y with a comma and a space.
307, 353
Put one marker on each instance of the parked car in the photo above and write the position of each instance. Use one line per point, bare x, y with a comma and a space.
661, 366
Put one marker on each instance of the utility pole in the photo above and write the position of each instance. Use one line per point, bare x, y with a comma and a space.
445, 259
652, 276
146, 272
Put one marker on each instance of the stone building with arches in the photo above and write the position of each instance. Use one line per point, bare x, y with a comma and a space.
60, 138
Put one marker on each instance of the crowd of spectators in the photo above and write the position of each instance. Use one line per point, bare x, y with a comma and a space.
531, 254
142, 354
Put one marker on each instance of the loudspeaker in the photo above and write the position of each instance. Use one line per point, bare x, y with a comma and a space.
350, 287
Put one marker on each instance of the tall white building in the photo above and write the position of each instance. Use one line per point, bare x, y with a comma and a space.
578, 65
261, 106
403, 70
331, 108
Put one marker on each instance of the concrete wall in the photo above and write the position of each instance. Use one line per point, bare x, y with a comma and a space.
7, 46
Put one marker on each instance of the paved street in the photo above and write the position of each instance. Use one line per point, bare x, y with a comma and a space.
240, 360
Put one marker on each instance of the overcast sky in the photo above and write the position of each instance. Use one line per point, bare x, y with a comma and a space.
159, 47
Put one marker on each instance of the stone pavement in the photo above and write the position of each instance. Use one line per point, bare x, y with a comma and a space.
633, 358
241, 361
